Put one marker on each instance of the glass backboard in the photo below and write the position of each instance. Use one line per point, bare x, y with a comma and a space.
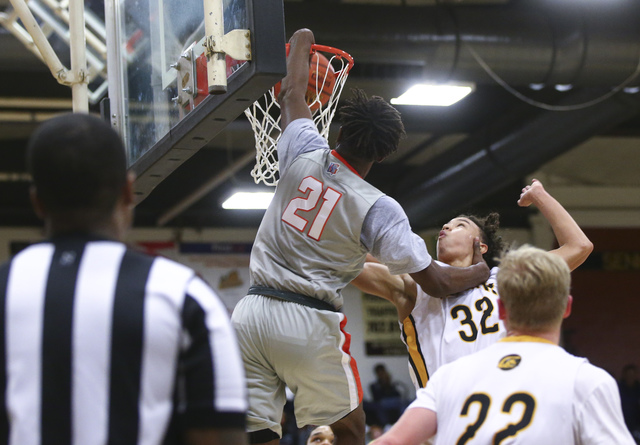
159, 97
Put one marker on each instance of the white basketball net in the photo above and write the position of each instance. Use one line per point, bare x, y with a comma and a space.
264, 116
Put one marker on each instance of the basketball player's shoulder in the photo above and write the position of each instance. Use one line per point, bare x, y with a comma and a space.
339, 171
589, 377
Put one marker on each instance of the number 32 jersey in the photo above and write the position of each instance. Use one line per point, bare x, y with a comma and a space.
441, 330
524, 390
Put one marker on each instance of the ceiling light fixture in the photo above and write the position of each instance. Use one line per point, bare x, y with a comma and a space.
434, 95
248, 201
564, 87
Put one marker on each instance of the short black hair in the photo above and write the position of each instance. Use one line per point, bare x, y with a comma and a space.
371, 127
380, 367
489, 226
77, 161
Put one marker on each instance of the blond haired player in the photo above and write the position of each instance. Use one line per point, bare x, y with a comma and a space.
524, 389
438, 331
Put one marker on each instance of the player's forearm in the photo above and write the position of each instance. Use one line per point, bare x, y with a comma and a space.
439, 282
375, 279
295, 82
291, 98
575, 247
463, 278
366, 285
414, 427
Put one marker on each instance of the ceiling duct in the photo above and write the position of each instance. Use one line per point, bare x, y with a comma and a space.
467, 176
581, 44
587, 44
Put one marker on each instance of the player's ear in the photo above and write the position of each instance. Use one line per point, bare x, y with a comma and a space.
127, 189
567, 311
502, 312
483, 248
37, 204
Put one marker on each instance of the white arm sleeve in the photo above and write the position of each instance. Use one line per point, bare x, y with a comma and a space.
597, 410
427, 397
388, 236
300, 136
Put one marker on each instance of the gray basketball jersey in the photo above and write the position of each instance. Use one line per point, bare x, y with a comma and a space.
309, 239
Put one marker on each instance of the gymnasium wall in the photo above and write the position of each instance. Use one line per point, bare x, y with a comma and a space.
605, 323
604, 326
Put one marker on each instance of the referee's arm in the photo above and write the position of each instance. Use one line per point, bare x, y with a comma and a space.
215, 396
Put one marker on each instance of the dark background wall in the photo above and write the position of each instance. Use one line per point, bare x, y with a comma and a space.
605, 323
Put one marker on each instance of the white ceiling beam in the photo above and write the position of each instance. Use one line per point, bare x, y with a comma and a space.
596, 197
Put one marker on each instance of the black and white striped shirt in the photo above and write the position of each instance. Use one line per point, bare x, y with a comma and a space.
104, 345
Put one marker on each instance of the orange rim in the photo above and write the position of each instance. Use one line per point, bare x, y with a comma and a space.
329, 49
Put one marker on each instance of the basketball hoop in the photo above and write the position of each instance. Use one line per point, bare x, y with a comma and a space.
264, 114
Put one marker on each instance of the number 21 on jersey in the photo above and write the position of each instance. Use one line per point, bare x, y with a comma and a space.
314, 190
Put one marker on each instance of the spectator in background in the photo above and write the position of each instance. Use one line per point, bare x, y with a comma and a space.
388, 403
630, 397
321, 435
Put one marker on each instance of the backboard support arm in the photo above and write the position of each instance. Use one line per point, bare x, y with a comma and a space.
236, 43
76, 77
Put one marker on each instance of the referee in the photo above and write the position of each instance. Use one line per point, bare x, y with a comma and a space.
102, 344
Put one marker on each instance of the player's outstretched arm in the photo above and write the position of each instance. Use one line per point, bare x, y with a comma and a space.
414, 427
575, 247
440, 281
294, 85
401, 290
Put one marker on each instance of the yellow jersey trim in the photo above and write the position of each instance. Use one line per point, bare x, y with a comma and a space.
416, 360
527, 338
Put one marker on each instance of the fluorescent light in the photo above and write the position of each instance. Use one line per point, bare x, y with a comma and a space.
435, 95
248, 200
564, 87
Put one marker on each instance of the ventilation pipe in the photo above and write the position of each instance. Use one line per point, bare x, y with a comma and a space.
543, 43
475, 175
585, 45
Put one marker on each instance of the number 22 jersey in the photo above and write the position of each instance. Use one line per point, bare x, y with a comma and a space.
441, 330
524, 390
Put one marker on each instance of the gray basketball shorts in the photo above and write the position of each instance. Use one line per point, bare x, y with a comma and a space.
306, 349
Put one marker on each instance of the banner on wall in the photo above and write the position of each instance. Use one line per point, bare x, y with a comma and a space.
381, 328
224, 266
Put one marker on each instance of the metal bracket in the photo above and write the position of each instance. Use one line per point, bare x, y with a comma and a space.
186, 69
236, 44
